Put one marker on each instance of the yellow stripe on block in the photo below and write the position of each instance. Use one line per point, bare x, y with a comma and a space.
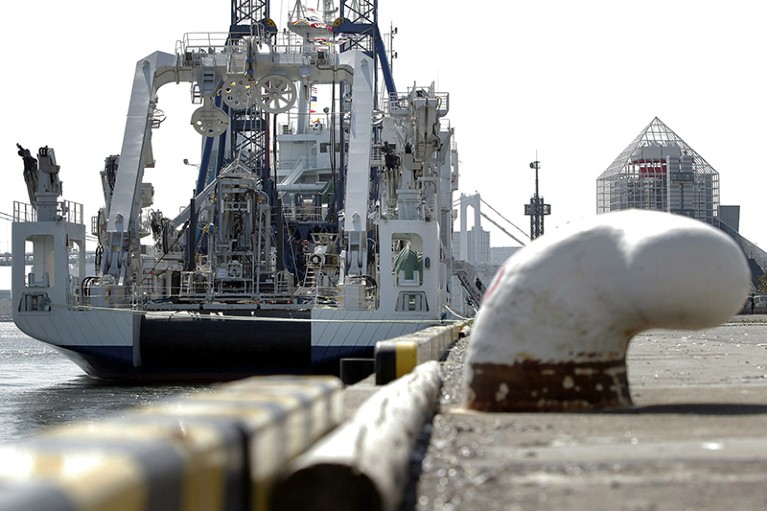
321, 395
202, 454
280, 418
191, 454
407, 357
88, 481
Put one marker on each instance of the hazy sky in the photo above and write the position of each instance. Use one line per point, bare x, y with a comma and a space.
574, 81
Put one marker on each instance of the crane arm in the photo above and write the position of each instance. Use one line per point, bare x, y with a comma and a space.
122, 223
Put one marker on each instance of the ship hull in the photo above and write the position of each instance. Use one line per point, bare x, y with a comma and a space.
192, 347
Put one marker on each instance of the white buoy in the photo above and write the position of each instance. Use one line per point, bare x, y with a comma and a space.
555, 323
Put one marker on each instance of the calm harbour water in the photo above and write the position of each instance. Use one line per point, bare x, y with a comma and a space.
40, 388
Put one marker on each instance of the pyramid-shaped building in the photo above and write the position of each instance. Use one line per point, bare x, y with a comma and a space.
660, 171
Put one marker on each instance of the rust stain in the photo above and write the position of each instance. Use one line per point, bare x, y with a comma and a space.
533, 386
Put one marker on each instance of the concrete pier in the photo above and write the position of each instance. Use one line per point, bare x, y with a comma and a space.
696, 437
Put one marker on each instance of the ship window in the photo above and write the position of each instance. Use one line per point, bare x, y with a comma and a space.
75, 251
412, 301
324, 147
407, 260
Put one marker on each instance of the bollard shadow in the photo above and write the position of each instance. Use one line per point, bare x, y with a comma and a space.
695, 409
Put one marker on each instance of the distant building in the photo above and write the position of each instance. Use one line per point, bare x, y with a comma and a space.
660, 171
730, 215
484, 246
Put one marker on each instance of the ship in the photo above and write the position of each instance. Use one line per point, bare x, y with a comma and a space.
309, 236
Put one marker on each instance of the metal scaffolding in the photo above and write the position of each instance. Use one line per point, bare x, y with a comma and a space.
660, 171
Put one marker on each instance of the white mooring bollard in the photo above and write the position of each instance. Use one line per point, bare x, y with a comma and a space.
555, 323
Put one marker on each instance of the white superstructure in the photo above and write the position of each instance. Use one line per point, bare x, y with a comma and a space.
310, 237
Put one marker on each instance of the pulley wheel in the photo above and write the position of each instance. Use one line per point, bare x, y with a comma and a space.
277, 93
236, 92
210, 121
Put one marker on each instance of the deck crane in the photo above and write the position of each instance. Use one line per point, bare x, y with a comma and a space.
249, 127
236, 125
359, 19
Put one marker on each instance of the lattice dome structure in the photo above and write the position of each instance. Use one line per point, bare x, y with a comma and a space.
660, 171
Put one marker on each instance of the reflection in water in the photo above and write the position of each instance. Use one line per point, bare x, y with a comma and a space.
41, 388
77, 399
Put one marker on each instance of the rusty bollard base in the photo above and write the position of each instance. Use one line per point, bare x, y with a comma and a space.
532, 386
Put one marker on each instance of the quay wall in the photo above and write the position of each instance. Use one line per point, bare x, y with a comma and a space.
222, 449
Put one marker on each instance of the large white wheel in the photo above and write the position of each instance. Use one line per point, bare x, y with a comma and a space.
210, 121
276, 94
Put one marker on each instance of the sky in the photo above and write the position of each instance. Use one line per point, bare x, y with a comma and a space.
571, 82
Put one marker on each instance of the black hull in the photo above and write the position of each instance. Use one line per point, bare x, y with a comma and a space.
231, 343
188, 349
